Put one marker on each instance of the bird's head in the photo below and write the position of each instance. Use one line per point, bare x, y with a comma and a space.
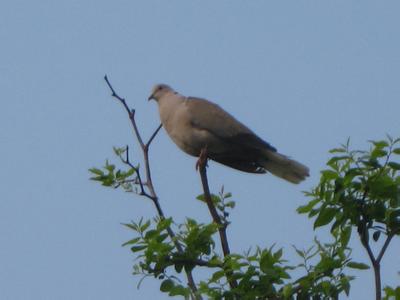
159, 90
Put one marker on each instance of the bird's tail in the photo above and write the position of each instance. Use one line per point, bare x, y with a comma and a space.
284, 167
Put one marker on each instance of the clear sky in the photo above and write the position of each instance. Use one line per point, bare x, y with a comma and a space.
304, 75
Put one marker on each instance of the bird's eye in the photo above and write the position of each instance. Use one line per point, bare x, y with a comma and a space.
160, 88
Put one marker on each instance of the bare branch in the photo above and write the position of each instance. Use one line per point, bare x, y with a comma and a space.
384, 247
202, 165
153, 135
151, 194
131, 112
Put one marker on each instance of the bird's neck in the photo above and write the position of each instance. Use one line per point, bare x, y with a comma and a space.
169, 104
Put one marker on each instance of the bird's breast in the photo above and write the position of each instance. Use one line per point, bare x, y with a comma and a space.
187, 137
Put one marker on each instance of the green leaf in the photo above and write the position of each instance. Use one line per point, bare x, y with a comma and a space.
345, 236
287, 291
109, 167
337, 150
391, 293
151, 234
200, 197
278, 254
329, 174
358, 266
217, 275
371, 163
396, 151
161, 237
130, 172
228, 195
145, 226
179, 290
214, 198
336, 159
266, 261
131, 242
119, 150
383, 187
377, 152
325, 216
394, 220
96, 171
230, 204
167, 285
345, 284
394, 165
300, 253
376, 235
306, 208
132, 226
138, 248
164, 224
380, 144
178, 268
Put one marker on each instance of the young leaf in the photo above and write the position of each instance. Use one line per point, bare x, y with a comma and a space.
217, 275
337, 150
325, 217
394, 165
358, 266
329, 174
138, 248
96, 171
179, 290
306, 208
345, 236
131, 242
166, 285
380, 144
376, 235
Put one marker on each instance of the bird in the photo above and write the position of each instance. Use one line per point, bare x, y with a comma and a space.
196, 125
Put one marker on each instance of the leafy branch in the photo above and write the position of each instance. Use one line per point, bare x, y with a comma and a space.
361, 189
151, 193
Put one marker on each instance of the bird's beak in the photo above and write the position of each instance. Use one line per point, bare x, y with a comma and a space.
150, 97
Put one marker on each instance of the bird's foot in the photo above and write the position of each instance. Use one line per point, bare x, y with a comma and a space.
202, 161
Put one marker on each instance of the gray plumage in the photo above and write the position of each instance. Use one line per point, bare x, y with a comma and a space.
194, 123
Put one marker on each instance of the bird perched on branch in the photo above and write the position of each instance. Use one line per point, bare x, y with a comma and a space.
199, 126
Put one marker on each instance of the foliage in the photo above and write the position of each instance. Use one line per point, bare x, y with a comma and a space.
359, 191
261, 274
392, 293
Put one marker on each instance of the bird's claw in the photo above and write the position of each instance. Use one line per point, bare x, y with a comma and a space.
202, 161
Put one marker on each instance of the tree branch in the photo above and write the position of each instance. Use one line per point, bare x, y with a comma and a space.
213, 211
202, 165
384, 247
149, 183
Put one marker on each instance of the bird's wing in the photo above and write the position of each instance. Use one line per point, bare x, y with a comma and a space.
208, 116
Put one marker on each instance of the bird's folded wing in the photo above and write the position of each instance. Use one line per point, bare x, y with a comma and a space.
208, 116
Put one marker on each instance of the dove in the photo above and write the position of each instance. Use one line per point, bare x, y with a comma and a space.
196, 125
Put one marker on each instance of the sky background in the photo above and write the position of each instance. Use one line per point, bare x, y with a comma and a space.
304, 75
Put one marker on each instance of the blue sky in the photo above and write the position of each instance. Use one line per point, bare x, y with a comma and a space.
304, 75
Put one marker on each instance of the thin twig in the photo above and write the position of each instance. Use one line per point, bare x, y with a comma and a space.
385, 245
153, 135
367, 247
139, 178
149, 183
